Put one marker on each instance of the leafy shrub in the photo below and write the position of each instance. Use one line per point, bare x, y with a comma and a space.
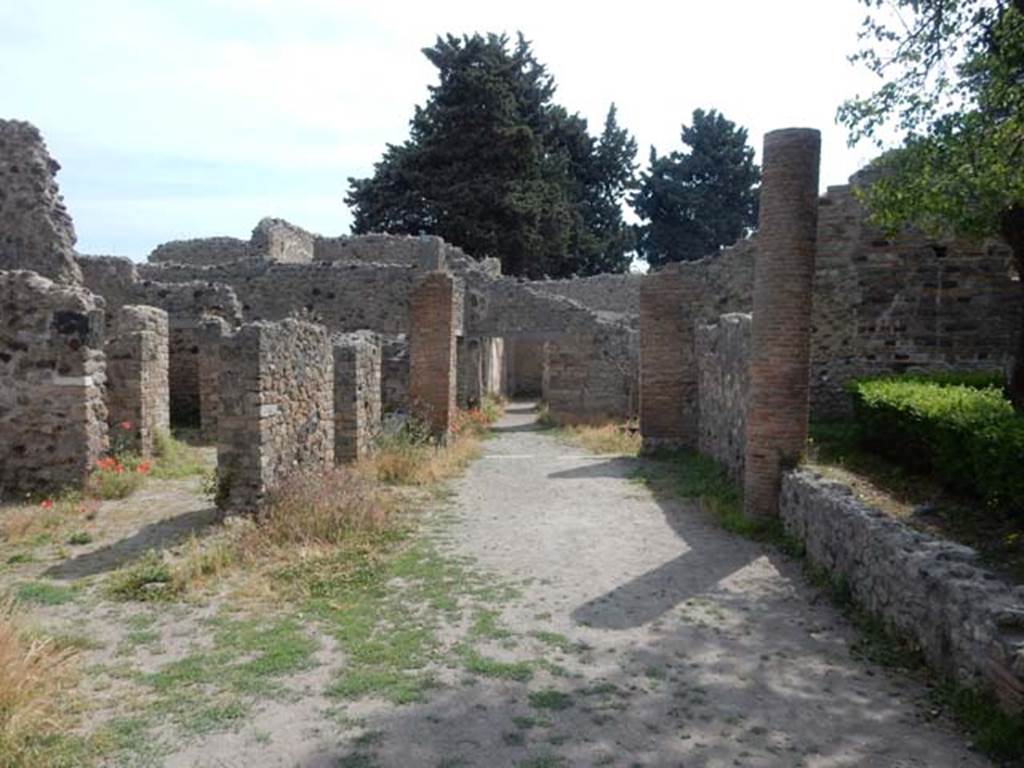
969, 437
117, 477
176, 459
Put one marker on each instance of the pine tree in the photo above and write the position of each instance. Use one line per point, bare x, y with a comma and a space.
694, 202
494, 166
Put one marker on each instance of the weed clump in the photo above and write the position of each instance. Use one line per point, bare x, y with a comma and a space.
35, 675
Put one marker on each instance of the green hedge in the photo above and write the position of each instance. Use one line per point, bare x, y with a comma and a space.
969, 437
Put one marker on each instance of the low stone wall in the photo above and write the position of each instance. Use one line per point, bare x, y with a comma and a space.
967, 622
137, 388
276, 408
53, 415
357, 395
723, 388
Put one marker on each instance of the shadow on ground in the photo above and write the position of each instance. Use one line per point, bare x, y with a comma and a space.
159, 535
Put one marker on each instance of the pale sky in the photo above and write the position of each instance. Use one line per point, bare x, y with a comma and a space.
192, 118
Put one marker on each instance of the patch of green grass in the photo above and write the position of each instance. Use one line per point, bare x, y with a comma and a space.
550, 698
215, 717
19, 558
479, 664
79, 538
486, 624
135, 638
147, 579
524, 723
175, 459
996, 733
559, 641
44, 593
391, 685
358, 760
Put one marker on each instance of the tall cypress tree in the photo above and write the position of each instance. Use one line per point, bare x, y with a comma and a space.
694, 202
494, 166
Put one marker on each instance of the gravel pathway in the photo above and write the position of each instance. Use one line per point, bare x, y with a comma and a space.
674, 643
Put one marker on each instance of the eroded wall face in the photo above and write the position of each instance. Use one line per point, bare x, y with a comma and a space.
357, 396
589, 378
53, 415
723, 389
212, 333
36, 231
137, 385
432, 353
276, 409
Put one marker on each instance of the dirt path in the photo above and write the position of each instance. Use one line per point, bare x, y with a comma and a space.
551, 612
674, 643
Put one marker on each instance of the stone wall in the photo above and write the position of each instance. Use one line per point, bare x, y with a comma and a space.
36, 231
590, 377
53, 416
616, 293
276, 408
187, 305
343, 297
885, 305
524, 363
210, 335
723, 388
967, 622
394, 368
137, 383
202, 251
493, 366
357, 395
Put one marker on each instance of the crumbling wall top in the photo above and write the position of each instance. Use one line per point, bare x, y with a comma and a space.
36, 231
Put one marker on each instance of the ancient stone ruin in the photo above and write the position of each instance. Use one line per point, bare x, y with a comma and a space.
291, 351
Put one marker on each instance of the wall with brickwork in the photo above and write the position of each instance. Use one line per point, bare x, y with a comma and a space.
723, 389
36, 231
137, 383
605, 293
210, 335
432, 352
357, 395
276, 408
394, 367
524, 361
53, 415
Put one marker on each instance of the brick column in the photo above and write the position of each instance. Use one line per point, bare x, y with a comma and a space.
137, 393
780, 345
432, 369
668, 371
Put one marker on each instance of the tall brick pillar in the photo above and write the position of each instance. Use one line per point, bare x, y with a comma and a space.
211, 334
137, 394
432, 368
668, 370
780, 345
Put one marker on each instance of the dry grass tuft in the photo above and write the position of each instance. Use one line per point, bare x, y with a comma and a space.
51, 517
325, 508
400, 461
606, 438
35, 675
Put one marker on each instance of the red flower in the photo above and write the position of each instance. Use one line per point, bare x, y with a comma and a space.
46, 503
143, 468
106, 465
125, 425
119, 468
